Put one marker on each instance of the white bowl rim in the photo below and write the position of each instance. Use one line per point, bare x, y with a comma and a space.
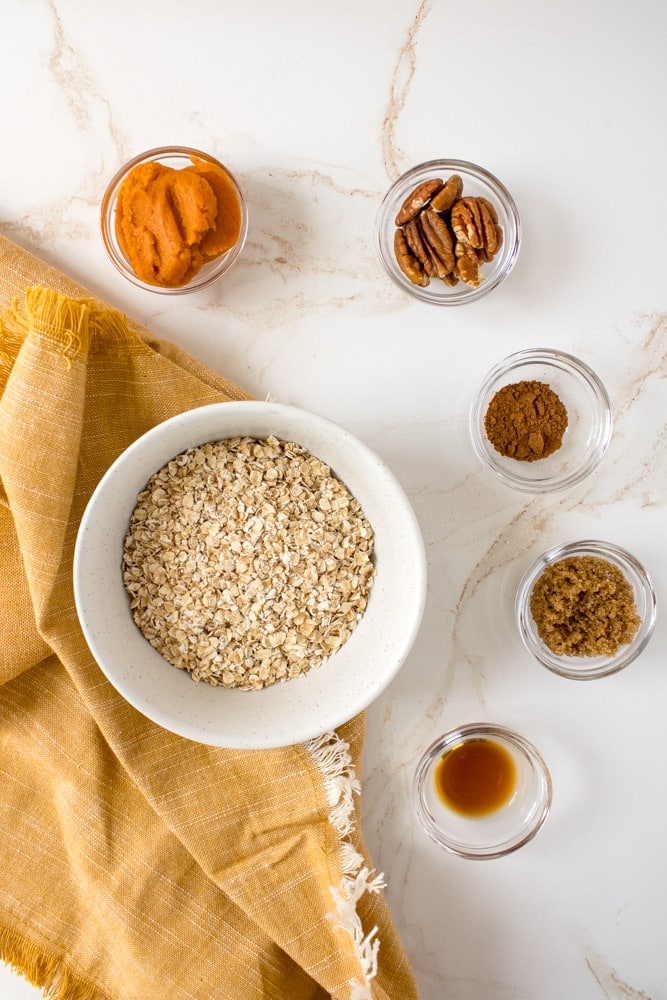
282, 714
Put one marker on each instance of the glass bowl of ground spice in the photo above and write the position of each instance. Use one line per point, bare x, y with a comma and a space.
586, 609
541, 420
173, 220
481, 791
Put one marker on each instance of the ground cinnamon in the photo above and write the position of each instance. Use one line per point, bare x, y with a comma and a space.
526, 421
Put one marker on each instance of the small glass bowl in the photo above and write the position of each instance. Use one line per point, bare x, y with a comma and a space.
585, 668
476, 182
176, 157
496, 833
589, 427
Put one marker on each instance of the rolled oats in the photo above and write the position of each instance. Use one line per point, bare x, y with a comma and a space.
247, 562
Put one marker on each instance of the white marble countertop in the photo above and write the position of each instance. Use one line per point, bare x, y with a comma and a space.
317, 108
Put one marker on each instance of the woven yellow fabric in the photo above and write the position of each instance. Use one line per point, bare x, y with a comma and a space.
135, 864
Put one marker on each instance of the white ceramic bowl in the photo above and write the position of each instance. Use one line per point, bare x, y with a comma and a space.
284, 713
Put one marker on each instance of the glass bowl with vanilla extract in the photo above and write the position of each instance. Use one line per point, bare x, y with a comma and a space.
481, 791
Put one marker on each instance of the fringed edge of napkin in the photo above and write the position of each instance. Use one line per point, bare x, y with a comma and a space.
43, 969
331, 755
70, 323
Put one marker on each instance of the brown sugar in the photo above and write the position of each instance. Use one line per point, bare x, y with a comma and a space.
526, 421
584, 606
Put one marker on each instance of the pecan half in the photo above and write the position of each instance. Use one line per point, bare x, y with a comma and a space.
438, 236
493, 234
467, 264
443, 200
467, 223
442, 267
407, 261
491, 209
417, 199
487, 254
475, 222
413, 235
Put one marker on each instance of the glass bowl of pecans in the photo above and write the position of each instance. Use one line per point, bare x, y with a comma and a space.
541, 420
448, 232
173, 220
586, 609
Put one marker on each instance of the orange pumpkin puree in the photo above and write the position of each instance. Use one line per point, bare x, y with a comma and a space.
169, 223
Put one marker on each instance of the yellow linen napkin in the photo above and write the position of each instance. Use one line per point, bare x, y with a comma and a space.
135, 864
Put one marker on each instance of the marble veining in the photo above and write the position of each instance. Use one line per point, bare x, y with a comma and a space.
610, 983
317, 110
395, 160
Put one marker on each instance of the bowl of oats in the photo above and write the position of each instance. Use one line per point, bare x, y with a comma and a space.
249, 575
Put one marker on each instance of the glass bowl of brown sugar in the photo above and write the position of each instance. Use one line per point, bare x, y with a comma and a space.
541, 420
586, 609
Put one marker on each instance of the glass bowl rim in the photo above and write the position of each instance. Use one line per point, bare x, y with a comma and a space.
477, 730
465, 295
199, 281
571, 365
563, 666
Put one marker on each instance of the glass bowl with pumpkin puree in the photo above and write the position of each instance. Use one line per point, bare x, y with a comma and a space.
174, 219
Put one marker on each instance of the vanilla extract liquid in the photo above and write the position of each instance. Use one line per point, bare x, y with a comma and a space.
476, 778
